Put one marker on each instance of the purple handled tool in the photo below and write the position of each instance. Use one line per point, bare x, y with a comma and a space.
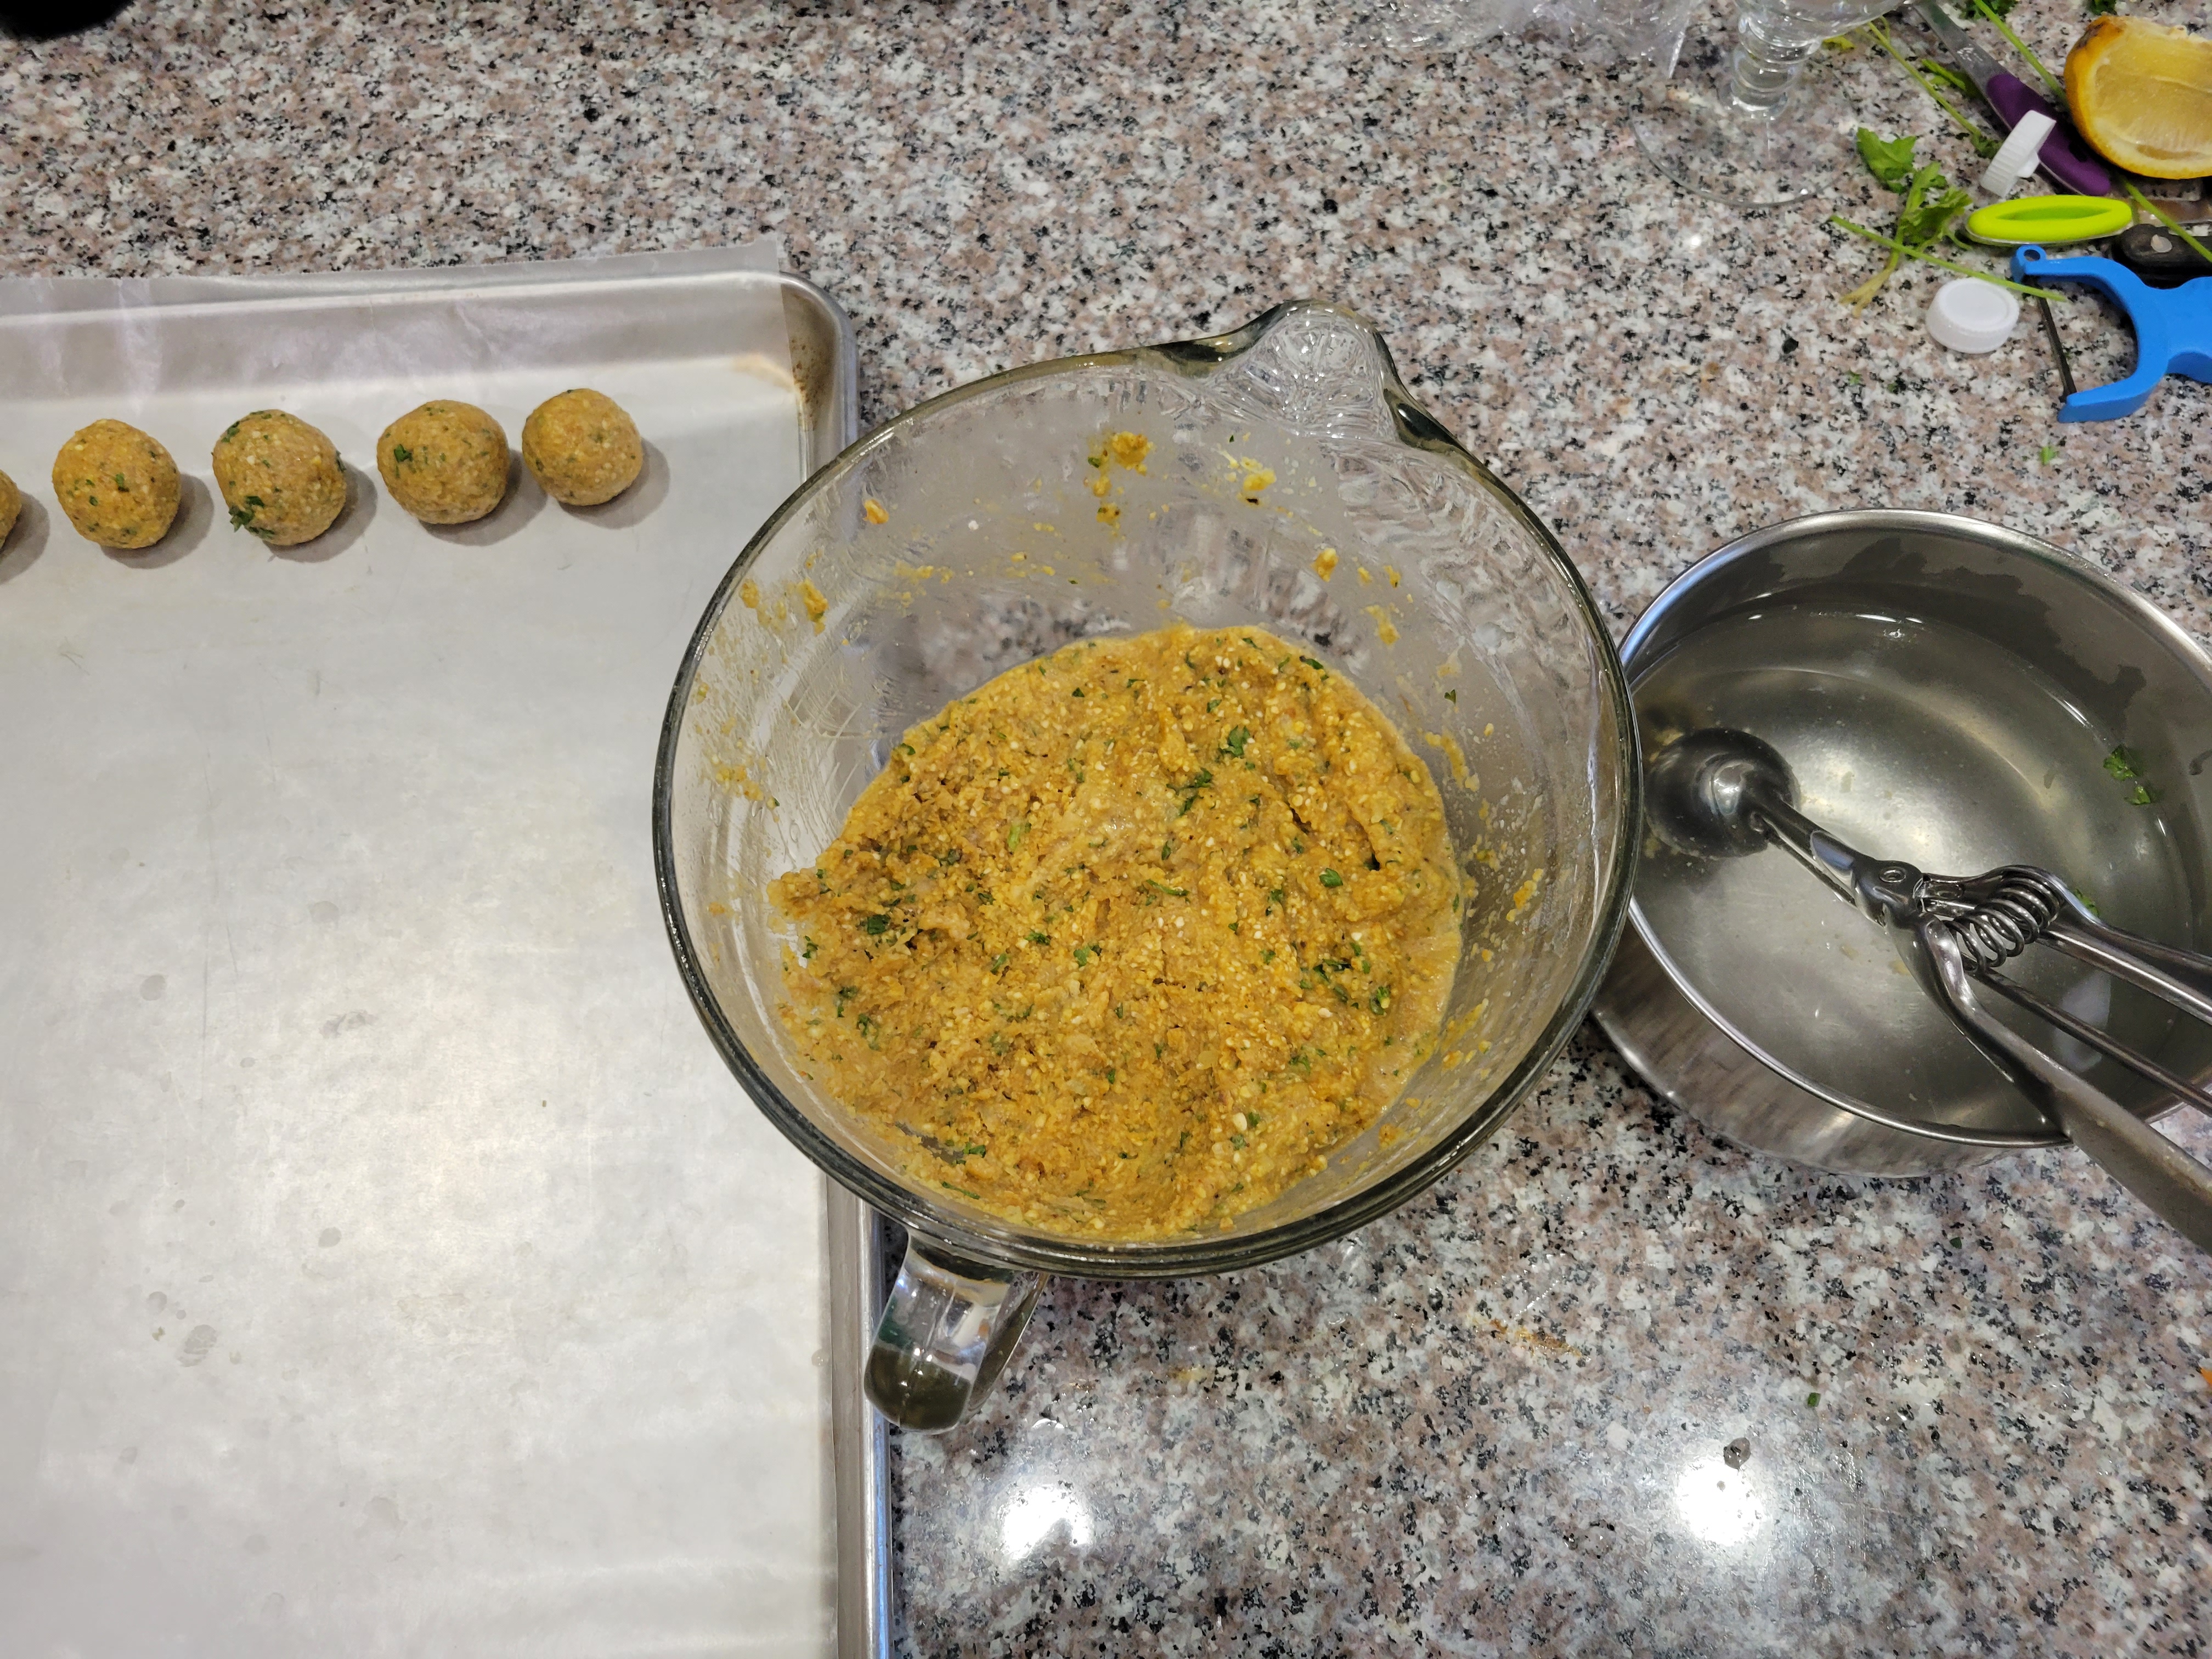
2064, 159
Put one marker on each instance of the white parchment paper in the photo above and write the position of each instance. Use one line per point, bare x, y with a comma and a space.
388, 1263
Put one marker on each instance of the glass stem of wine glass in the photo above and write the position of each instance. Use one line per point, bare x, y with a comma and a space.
1769, 51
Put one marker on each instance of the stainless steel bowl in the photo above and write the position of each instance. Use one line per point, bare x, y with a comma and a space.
1951, 694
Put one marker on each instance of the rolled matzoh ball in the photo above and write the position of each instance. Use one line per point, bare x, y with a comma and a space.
118, 486
280, 477
445, 462
582, 448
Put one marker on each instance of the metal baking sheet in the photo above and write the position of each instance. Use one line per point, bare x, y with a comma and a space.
390, 1265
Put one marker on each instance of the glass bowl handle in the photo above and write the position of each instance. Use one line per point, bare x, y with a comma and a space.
949, 1328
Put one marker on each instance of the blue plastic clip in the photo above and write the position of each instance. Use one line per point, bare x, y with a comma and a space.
2173, 327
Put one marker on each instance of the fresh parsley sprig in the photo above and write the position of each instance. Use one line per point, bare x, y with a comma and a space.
1928, 73
1890, 159
1931, 204
1995, 10
1899, 252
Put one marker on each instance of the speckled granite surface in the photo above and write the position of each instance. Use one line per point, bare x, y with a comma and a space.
1510, 1417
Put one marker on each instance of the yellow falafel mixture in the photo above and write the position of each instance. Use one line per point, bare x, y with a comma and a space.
1129, 939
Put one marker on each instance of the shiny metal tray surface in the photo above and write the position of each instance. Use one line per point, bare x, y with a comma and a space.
392, 1266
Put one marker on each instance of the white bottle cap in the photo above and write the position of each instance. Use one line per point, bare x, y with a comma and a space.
2015, 157
1972, 315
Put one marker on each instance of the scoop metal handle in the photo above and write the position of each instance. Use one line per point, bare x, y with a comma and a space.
1725, 793
2156, 1170
2181, 978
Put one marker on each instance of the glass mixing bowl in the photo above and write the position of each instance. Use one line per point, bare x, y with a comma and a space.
969, 536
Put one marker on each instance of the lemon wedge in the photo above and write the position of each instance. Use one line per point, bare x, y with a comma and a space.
2142, 95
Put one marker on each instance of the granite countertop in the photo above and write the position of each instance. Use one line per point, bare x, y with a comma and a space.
1502, 1420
